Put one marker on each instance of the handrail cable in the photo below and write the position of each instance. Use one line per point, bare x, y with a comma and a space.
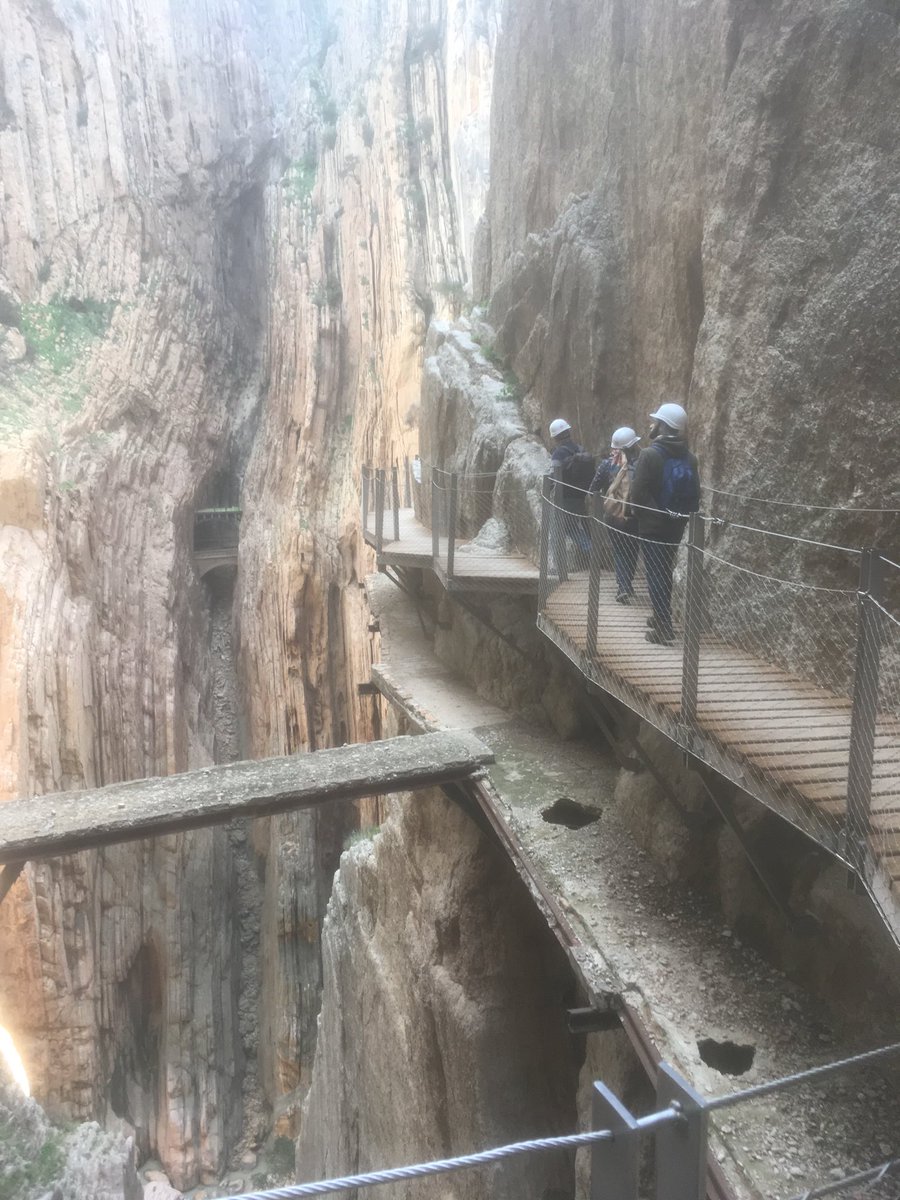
673, 1112
890, 616
873, 1176
765, 1089
809, 587
789, 537
462, 1162
890, 563
796, 503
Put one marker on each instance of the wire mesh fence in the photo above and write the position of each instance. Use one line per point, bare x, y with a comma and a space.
485, 527
790, 689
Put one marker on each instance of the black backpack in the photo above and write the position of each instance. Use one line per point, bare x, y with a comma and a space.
578, 470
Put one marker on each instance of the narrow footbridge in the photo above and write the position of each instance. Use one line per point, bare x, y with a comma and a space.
790, 688
66, 822
216, 538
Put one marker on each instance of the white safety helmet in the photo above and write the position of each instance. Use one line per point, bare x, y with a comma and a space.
624, 438
559, 426
672, 415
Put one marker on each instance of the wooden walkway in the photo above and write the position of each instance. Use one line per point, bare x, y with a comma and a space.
473, 569
782, 739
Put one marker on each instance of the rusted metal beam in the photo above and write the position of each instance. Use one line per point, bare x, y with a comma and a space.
65, 822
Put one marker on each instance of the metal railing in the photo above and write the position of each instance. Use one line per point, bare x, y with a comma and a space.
679, 1128
789, 688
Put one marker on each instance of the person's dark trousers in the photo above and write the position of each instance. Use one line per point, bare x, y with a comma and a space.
659, 563
625, 556
576, 528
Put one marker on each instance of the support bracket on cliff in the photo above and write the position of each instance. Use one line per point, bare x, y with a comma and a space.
65, 822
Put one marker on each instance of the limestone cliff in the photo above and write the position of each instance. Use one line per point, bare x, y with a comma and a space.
223, 235
694, 201
443, 1025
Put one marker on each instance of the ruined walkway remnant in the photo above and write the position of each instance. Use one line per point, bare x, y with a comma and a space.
216, 537
65, 822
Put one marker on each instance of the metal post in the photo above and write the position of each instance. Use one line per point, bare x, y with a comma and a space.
614, 1164
435, 517
864, 715
557, 529
407, 483
365, 499
593, 599
379, 510
681, 1146
395, 496
694, 622
452, 514
544, 561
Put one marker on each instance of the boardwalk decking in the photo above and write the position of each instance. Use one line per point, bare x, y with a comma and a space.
473, 569
785, 740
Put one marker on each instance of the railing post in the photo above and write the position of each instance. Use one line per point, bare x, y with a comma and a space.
435, 517
365, 499
614, 1164
379, 511
544, 560
558, 529
395, 496
407, 483
593, 597
694, 621
452, 515
681, 1146
864, 714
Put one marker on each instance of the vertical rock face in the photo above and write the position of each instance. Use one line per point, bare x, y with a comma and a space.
694, 202
130, 271
370, 224
443, 1024
224, 231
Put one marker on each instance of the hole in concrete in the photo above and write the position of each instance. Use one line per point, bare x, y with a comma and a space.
568, 812
728, 1058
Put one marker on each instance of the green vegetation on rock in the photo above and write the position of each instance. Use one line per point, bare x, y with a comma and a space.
299, 179
27, 1172
58, 333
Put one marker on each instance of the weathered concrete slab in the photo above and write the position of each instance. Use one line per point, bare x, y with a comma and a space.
68, 821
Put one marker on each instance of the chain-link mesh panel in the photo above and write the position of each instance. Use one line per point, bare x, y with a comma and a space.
753, 674
486, 530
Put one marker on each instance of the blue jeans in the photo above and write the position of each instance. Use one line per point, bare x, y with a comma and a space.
659, 563
625, 556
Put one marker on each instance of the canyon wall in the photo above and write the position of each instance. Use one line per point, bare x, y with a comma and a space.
223, 236
694, 202
131, 301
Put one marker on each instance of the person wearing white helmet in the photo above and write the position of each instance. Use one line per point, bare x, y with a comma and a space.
665, 490
573, 467
613, 481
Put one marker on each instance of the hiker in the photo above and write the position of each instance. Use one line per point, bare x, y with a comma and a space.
665, 489
573, 467
613, 480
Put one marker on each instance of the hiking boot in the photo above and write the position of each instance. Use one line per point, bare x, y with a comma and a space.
661, 637
624, 597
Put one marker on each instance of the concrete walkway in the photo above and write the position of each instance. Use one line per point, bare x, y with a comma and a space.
663, 947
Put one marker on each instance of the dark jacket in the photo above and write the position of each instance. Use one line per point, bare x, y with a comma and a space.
646, 490
607, 470
569, 498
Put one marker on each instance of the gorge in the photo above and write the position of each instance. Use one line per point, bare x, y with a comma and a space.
248, 247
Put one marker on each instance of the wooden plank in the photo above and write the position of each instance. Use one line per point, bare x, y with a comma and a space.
69, 821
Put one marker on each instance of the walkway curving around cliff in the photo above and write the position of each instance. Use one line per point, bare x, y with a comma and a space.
660, 947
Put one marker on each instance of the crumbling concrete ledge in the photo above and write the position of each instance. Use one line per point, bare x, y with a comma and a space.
69, 821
